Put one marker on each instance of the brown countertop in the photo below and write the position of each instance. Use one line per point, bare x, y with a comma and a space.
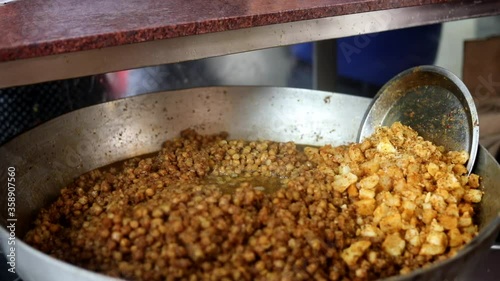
38, 28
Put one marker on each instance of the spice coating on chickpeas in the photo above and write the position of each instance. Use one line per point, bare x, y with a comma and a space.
207, 208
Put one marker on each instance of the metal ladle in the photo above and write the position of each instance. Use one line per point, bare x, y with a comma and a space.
434, 102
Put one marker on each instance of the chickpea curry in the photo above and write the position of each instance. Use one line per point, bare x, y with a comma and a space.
209, 208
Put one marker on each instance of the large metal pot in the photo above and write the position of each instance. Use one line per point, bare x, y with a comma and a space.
48, 157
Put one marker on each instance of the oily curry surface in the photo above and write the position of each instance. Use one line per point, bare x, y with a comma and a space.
209, 208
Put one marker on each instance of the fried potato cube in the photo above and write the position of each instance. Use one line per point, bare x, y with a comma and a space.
394, 245
413, 237
385, 182
465, 220
432, 169
473, 195
370, 231
442, 192
455, 238
352, 191
370, 167
355, 154
428, 215
436, 243
435, 226
369, 182
344, 169
365, 193
437, 238
354, 252
448, 181
392, 200
311, 152
451, 200
471, 229
365, 207
459, 169
422, 151
342, 182
324, 169
391, 223
381, 211
458, 157
465, 207
452, 210
431, 250
410, 193
468, 233
464, 180
372, 256
407, 215
427, 200
414, 179
413, 168
395, 172
473, 180
447, 221
409, 205
366, 144
438, 203
458, 193
386, 147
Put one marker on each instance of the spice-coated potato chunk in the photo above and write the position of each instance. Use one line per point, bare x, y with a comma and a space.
355, 251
